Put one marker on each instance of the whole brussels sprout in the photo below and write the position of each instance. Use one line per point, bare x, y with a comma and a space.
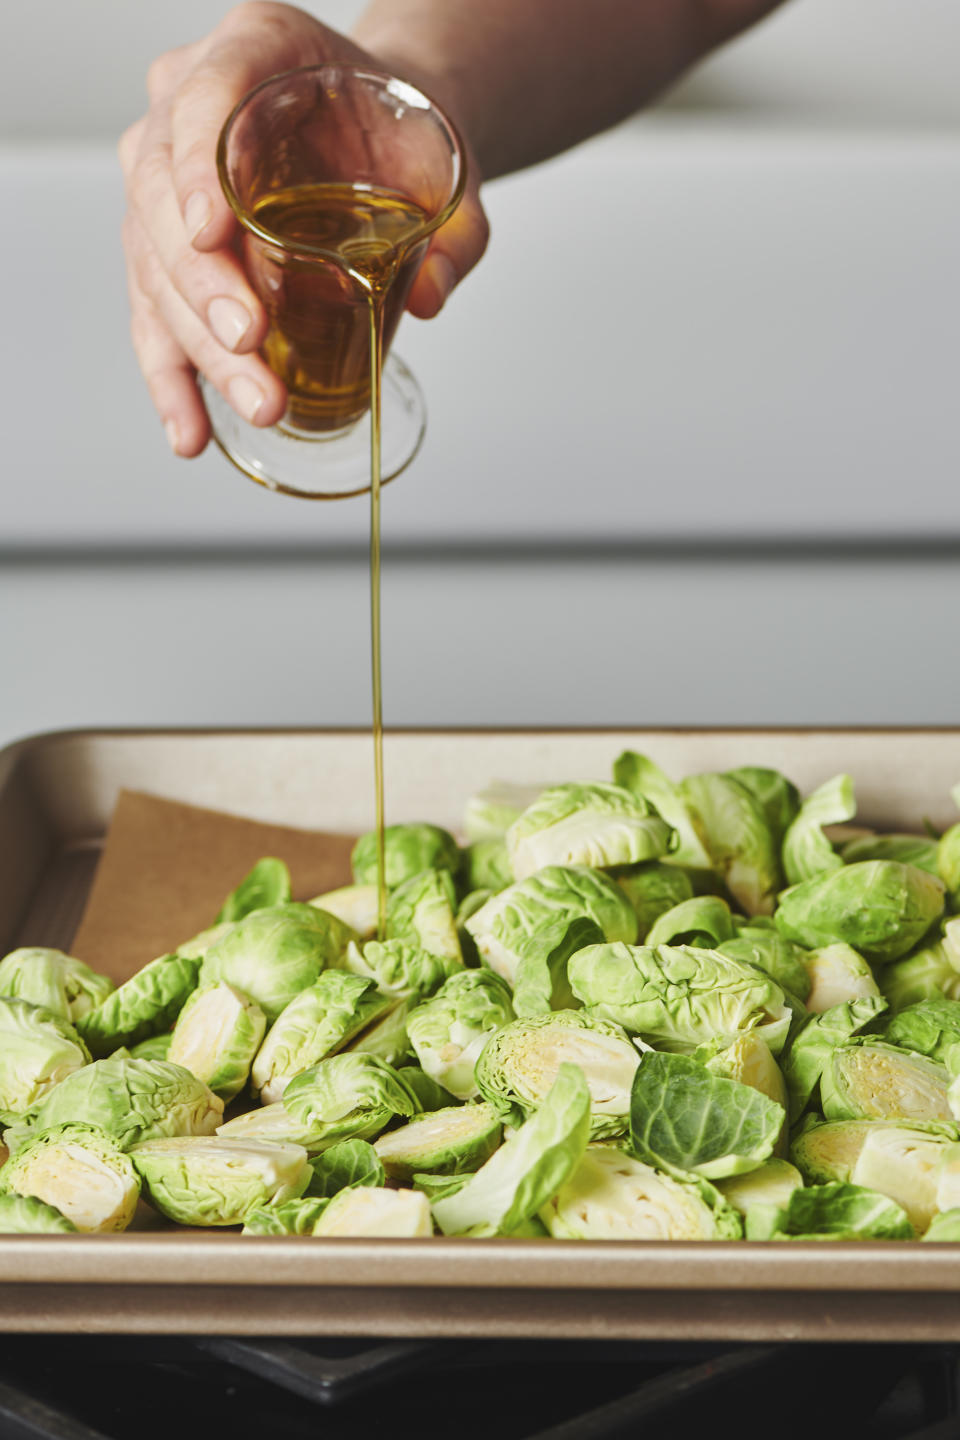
408, 850
918, 850
880, 907
486, 866
275, 953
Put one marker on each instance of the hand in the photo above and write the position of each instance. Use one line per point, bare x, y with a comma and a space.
192, 307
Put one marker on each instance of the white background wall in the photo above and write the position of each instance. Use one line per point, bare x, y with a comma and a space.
781, 363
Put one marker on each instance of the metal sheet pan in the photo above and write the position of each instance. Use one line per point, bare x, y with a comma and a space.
56, 795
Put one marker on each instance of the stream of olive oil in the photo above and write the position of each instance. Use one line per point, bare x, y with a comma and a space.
330, 326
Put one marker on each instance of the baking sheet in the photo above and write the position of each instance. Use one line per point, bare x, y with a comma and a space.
56, 796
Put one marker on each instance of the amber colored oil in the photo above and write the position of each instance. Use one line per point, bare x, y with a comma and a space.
330, 326
318, 340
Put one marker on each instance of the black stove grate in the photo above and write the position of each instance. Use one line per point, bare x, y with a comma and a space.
144, 1388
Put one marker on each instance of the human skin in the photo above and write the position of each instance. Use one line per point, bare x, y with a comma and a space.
521, 79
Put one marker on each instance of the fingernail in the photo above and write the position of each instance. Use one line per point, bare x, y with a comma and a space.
245, 396
229, 320
196, 214
172, 434
443, 275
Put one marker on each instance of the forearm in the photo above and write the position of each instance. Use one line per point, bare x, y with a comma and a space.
529, 78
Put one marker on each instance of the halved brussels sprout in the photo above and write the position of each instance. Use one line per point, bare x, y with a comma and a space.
81, 1171
490, 813
399, 969
593, 825
275, 953
827, 1151
142, 1006
421, 911
880, 907
201, 1180
132, 1100
652, 889
528, 1169
678, 997
26, 1215
449, 1031
319, 1021
521, 932
686, 1118
905, 1166
408, 849
446, 1142
808, 1053
864, 1077
354, 905
613, 1196
348, 1163
266, 885
703, 921
831, 1212
737, 836
349, 1096
806, 850
275, 1123
836, 973
38, 1051
519, 1065
772, 1183
399, 1213
639, 774
53, 980
216, 1036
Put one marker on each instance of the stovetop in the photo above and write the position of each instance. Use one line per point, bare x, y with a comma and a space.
124, 1388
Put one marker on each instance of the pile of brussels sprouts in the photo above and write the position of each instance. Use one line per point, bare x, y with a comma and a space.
647, 1010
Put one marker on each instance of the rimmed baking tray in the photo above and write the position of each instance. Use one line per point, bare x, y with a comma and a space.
56, 795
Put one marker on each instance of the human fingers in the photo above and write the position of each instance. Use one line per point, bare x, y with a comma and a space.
245, 381
453, 252
214, 285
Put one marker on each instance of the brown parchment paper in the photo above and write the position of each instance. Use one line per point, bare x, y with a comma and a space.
166, 869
